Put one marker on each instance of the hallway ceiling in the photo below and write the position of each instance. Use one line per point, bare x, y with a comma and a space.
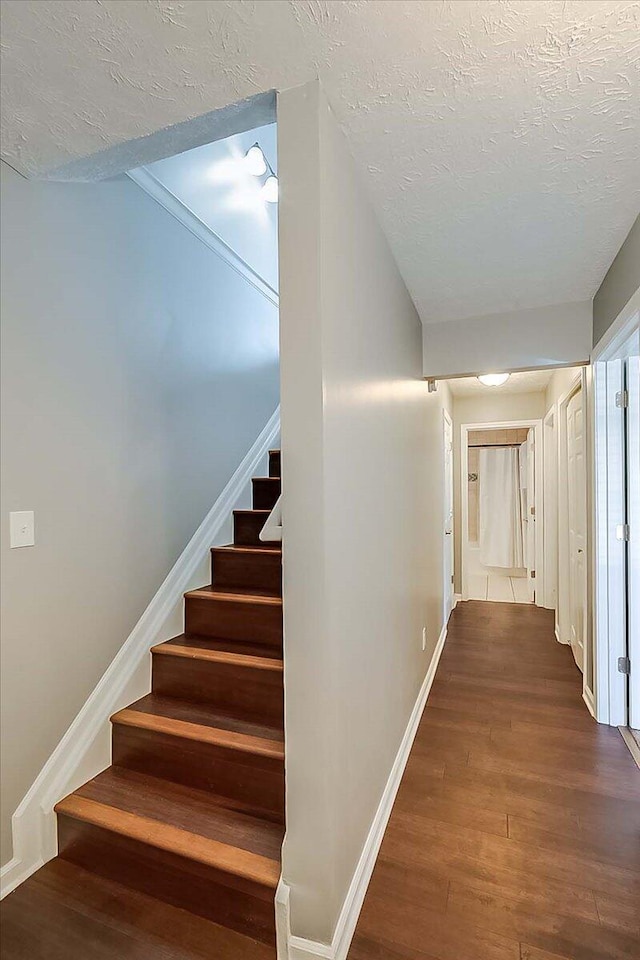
530, 381
500, 141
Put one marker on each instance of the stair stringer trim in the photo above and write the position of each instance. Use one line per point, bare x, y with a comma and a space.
85, 749
291, 947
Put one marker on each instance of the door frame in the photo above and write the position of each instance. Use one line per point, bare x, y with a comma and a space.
550, 531
465, 428
564, 567
448, 540
609, 564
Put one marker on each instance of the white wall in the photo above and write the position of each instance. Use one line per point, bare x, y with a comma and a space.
484, 408
520, 340
363, 482
212, 182
561, 381
137, 370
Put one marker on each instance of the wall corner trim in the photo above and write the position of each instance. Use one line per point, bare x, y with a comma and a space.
85, 749
162, 195
298, 948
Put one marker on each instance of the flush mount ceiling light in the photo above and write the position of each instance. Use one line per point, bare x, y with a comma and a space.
254, 161
494, 379
270, 189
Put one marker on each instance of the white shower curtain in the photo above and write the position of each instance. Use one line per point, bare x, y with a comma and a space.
501, 542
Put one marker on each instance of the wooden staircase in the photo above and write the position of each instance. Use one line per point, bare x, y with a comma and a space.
191, 812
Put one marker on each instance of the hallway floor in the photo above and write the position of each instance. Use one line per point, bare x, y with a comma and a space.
516, 831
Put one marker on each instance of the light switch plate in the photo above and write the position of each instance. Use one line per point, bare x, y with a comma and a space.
22, 528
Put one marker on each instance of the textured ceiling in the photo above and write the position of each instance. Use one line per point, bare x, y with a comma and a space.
500, 140
533, 381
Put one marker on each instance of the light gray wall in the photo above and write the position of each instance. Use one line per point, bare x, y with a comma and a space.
363, 488
518, 340
137, 370
484, 408
619, 285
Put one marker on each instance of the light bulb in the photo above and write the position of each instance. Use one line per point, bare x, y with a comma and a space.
255, 161
270, 189
494, 379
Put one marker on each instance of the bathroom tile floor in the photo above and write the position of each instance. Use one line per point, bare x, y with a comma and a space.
502, 589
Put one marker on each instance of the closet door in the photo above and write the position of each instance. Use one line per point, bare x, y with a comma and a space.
577, 518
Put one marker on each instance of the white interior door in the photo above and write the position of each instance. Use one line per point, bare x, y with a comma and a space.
577, 523
530, 549
448, 591
633, 546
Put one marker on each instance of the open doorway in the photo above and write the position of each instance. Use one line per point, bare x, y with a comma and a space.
499, 487
499, 510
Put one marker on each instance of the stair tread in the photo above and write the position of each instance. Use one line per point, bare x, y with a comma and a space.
242, 548
234, 652
186, 719
263, 548
200, 826
233, 594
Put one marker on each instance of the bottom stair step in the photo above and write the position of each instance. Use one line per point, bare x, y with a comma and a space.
197, 851
68, 913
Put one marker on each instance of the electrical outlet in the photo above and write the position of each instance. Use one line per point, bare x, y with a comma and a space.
424, 638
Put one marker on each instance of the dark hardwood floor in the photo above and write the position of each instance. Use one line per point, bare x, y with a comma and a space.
516, 831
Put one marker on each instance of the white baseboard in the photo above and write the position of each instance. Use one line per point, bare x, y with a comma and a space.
631, 743
457, 598
556, 631
291, 947
587, 696
85, 749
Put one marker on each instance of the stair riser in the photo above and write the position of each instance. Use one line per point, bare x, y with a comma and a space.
275, 469
230, 773
234, 620
247, 527
205, 891
247, 691
247, 571
266, 491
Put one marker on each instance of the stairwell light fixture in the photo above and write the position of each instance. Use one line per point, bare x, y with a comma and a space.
255, 161
270, 189
257, 164
493, 379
